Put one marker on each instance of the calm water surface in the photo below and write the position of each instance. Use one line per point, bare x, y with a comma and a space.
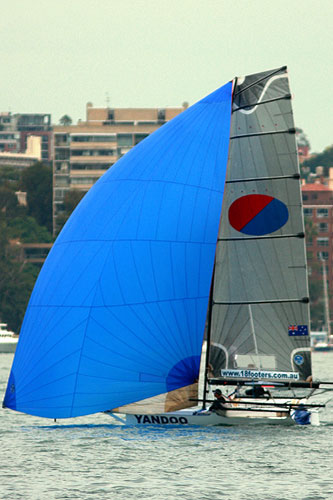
92, 458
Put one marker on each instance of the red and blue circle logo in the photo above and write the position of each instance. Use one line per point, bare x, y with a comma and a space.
257, 214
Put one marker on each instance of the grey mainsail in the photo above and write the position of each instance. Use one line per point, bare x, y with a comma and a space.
259, 307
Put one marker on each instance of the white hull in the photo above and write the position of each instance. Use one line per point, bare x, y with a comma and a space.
8, 346
323, 347
193, 416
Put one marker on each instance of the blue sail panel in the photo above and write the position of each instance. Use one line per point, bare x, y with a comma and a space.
118, 312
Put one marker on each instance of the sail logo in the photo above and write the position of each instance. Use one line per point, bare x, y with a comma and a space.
298, 359
257, 214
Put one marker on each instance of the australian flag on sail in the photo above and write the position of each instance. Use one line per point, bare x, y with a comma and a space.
298, 330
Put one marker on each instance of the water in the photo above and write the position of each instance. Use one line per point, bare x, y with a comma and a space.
93, 458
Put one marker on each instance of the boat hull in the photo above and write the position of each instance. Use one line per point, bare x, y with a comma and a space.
8, 347
191, 417
322, 347
240, 412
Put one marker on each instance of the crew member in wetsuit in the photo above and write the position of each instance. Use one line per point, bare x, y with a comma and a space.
257, 391
219, 403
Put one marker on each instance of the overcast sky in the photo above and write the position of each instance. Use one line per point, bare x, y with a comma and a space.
58, 55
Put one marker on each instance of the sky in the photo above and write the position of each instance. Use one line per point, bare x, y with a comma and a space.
58, 55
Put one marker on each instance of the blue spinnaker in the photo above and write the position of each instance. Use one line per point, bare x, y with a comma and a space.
118, 311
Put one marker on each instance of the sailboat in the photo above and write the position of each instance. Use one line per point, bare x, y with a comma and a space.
197, 231
323, 341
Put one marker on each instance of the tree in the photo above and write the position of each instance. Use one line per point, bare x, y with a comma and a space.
16, 281
9, 178
65, 120
8, 202
37, 182
324, 159
27, 230
71, 200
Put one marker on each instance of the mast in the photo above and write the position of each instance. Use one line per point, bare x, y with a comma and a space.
209, 324
327, 311
254, 336
210, 303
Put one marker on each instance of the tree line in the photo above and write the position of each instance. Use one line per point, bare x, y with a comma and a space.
30, 223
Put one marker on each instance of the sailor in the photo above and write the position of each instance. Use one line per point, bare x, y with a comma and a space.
219, 403
258, 391
302, 416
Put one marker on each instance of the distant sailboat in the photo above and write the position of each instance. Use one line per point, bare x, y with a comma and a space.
8, 339
325, 343
200, 224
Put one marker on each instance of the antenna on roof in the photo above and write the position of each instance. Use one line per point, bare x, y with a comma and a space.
107, 99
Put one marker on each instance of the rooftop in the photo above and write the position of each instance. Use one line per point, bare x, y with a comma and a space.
316, 186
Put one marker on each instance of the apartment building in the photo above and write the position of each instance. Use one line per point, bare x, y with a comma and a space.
318, 212
16, 128
83, 152
21, 161
36, 124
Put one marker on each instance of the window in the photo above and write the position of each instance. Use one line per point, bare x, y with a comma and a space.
92, 152
305, 197
309, 254
322, 242
91, 166
161, 114
307, 212
322, 255
61, 181
59, 194
94, 138
322, 212
61, 139
323, 227
314, 196
81, 180
125, 140
61, 154
139, 137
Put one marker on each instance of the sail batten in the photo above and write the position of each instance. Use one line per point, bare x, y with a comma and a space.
270, 132
298, 235
295, 176
261, 78
258, 103
303, 300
